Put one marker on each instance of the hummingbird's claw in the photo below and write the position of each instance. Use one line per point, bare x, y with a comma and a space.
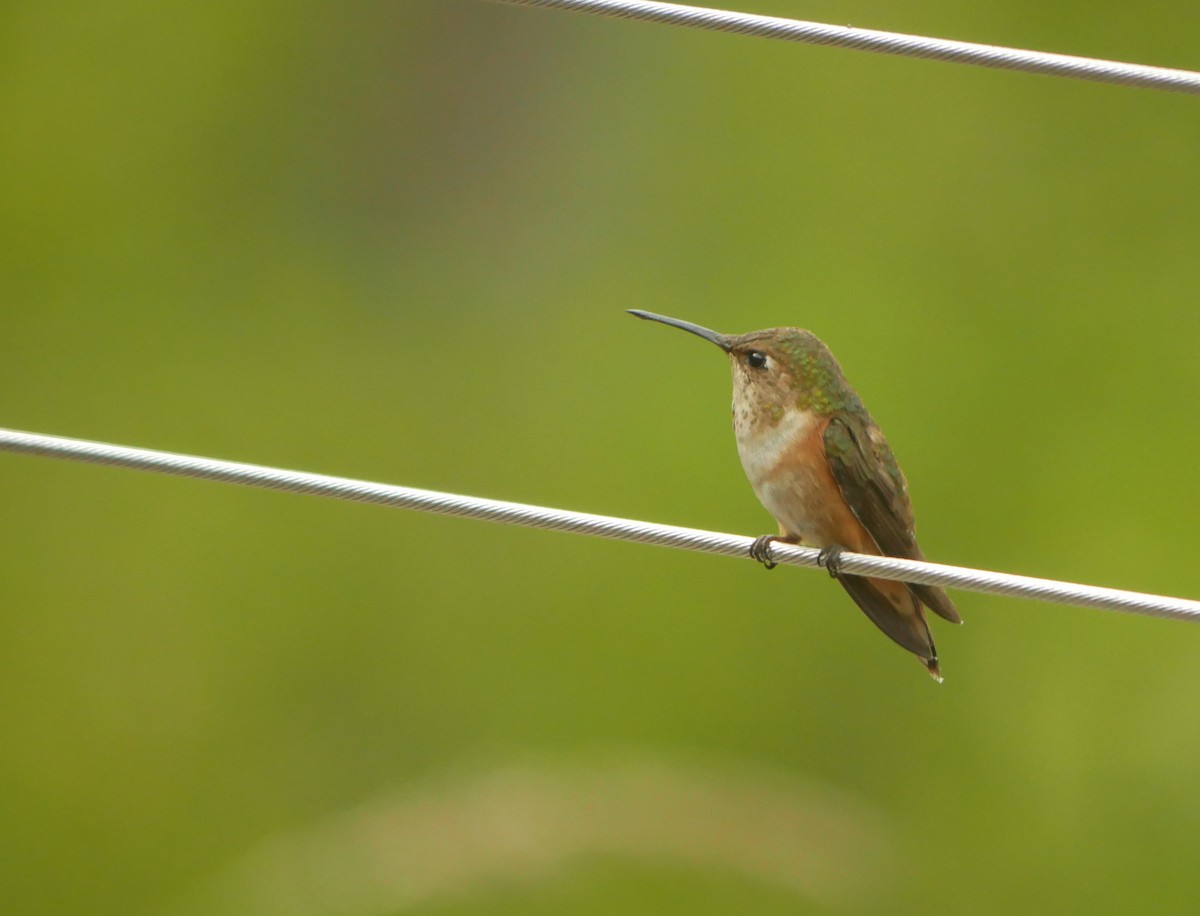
831, 559
761, 550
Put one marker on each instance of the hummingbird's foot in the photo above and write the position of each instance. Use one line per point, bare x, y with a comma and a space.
761, 550
831, 559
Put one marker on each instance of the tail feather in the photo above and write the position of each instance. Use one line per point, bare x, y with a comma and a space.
897, 612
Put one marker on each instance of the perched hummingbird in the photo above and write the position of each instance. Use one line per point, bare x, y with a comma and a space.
821, 466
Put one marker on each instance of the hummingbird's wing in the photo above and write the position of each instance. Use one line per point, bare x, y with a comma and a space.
874, 488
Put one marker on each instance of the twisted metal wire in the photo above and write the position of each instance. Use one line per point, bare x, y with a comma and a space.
623, 529
817, 33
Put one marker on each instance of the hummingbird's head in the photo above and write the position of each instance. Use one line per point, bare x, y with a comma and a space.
775, 370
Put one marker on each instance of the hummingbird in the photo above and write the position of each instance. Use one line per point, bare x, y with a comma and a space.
821, 466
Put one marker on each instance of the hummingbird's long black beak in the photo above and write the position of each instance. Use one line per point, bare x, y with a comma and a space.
711, 336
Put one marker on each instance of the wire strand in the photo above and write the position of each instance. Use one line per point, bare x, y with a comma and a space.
623, 529
817, 33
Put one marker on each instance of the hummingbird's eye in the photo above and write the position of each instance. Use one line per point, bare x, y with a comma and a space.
756, 359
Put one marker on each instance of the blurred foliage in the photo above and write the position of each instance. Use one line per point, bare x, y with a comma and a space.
395, 240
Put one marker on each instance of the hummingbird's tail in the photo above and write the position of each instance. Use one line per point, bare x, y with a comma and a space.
896, 611
931, 665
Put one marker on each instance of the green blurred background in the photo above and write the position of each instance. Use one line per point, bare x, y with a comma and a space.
395, 241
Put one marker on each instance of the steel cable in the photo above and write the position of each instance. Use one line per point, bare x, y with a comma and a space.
817, 33
731, 545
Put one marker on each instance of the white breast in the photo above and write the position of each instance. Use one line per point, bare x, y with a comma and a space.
761, 445
786, 491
